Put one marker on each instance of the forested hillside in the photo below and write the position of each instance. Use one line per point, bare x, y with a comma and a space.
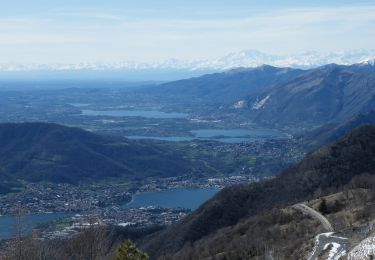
324, 171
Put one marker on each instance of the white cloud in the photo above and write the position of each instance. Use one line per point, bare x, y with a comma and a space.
113, 36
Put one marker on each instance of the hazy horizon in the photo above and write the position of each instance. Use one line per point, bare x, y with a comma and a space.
46, 32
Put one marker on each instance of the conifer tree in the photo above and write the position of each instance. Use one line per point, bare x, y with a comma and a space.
129, 251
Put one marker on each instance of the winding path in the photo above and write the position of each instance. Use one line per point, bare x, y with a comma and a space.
338, 246
314, 214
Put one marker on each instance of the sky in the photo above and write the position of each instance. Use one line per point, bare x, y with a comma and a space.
73, 31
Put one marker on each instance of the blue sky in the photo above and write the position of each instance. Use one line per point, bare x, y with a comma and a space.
70, 31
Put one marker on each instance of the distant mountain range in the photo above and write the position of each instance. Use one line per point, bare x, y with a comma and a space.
247, 58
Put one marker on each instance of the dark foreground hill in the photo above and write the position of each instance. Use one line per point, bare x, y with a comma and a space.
51, 152
325, 171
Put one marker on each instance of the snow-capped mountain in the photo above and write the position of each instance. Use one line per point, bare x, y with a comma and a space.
248, 58
370, 62
303, 60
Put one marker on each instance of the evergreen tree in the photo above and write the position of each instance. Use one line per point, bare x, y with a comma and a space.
129, 251
323, 207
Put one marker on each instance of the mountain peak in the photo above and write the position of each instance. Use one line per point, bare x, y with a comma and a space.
368, 62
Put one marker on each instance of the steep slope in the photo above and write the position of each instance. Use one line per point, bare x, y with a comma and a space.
330, 93
50, 152
325, 171
291, 233
7, 183
223, 87
334, 131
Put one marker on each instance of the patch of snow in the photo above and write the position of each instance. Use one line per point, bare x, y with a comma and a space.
371, 62
124, 224
328, 234
336, 251
363, 250
239, 104
315, 248
259, 104
317, 238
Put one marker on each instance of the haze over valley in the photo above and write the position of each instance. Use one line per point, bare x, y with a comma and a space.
197, 130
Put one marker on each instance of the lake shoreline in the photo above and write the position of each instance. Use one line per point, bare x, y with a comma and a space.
172, 198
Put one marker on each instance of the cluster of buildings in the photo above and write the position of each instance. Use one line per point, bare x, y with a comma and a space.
115, 216
50, 197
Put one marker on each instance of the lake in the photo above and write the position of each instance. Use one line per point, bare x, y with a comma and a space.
79, 104
256, 133
236, 135
133, 113
173, 198
221, 135
163, 138
8, 223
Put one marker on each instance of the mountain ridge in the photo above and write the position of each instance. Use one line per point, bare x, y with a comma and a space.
224, 87
322, 172
334, 131
331, 93
243, 58
51, 152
